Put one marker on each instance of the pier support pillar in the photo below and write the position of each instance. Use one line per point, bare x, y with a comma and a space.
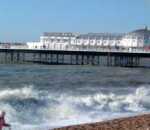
12, 57
87, 62
57, 59
71, 59
77, 60
93, 60
18, 57
82, 60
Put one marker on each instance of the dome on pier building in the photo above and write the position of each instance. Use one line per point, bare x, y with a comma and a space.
138, 38
141, 32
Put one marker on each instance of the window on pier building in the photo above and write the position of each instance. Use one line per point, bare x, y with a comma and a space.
78, 41
65, 40
134, 40
147, 42
52, 40
91, 41
58, 40
61, 40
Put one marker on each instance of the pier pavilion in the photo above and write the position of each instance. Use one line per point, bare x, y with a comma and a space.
138, 39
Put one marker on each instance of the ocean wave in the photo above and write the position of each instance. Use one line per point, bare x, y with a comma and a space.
99, 106
21, 93
46, 108
139, 100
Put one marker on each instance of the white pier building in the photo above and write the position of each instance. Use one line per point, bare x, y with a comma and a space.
137, 39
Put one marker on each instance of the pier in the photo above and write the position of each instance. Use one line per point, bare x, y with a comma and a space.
66, 48
70, 57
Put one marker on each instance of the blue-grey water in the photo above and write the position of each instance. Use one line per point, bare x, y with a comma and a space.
39, 97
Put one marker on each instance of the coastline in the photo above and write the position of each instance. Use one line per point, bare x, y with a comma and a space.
141, 122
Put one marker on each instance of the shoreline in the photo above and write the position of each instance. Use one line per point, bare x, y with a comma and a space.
141, 122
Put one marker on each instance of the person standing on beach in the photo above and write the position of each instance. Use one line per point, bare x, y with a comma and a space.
2, 121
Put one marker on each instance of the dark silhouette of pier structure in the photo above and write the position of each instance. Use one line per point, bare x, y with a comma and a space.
68, 57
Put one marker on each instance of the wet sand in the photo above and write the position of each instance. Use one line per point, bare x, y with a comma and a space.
141, 122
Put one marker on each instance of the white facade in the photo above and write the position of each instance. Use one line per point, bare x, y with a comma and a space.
34, 45
54, 41
63, 41
132, 40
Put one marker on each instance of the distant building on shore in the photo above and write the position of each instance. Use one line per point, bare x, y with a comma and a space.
61, 41
13, 45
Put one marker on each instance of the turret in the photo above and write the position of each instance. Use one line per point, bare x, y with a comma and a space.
146, 28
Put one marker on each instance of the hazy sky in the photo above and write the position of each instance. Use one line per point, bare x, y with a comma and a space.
26, 20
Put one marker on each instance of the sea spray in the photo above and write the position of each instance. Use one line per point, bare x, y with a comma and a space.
68, 109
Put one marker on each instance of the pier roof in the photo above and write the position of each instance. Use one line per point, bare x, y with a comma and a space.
59, 34
100, 36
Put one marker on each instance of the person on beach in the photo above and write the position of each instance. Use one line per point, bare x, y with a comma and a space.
2, 121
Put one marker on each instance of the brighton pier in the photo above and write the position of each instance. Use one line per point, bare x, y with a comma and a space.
124, 50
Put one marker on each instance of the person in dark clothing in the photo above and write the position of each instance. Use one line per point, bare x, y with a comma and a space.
2, 121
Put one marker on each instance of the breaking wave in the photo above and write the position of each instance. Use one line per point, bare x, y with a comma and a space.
22, 93
26, 107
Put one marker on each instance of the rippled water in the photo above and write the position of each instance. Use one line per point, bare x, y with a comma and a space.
38, 97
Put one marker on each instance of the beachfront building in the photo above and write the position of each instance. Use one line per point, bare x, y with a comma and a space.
13, 45
137, 39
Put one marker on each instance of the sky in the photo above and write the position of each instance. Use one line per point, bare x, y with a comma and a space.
26, 20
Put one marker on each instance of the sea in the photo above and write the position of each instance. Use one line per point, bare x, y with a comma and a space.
43, 97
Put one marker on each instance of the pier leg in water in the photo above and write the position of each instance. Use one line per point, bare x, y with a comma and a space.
71, 59
77, 60
82, 59
18, 57
57, 59
93, 60
87, 62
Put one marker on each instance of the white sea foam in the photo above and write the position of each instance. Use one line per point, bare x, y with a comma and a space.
25, 92
70, 109
99, 106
